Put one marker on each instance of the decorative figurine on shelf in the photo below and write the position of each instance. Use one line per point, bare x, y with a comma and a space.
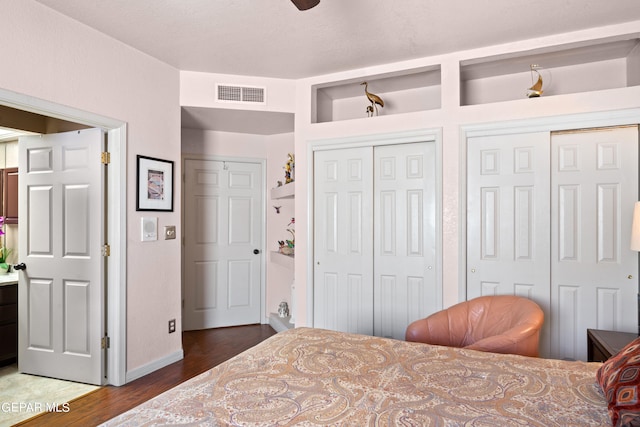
283, 309
369, 111
289, 170
536, 90
288, 247
375, 100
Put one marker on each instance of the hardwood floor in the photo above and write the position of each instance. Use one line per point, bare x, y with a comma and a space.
202, 351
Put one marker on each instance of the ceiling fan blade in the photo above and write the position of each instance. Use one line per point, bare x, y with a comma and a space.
305, 4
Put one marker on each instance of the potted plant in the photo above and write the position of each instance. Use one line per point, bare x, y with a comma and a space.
4, 251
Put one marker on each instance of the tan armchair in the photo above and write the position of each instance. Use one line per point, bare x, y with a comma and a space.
498, 324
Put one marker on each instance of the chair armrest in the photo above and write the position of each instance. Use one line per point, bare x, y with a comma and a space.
522, 340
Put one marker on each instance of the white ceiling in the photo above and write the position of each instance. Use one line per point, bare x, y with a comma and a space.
272, 38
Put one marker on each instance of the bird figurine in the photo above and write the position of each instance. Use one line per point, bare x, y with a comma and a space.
374, 99
369, 111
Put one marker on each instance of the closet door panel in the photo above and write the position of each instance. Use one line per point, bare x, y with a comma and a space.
343, 230
594, 188
404, 237
508, 222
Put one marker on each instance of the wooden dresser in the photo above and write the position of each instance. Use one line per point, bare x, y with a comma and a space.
8, 323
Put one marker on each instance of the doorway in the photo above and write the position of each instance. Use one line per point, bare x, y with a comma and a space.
115, 216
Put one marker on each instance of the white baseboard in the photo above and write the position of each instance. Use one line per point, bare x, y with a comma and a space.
154, 366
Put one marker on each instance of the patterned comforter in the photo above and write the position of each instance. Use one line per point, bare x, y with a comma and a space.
310, 376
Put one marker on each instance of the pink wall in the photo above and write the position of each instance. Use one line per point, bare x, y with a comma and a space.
51, 57
279, 278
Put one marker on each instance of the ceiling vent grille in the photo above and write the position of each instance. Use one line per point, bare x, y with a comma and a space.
241, 94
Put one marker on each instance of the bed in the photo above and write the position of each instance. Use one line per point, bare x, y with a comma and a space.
318, 377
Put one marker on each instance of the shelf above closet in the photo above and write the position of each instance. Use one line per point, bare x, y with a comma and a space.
286, 191
565, 69
402, 92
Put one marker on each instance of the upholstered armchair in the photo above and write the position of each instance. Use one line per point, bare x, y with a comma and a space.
498, 324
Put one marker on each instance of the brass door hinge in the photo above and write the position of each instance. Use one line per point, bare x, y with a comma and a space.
105, 343
106, 250
105, 157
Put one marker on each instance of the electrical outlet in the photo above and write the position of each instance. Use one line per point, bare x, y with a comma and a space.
172, 326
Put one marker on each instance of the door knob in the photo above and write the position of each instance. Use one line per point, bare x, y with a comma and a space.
256, 251
21, 266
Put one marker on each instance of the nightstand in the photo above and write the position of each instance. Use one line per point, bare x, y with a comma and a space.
601, 345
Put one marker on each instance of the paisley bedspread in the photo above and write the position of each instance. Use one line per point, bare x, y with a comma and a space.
308, 376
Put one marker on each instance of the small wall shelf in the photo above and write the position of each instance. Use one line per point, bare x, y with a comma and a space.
282, 259
565, 69
286, 191
402, 92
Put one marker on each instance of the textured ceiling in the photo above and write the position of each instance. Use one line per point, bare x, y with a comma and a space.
271, 38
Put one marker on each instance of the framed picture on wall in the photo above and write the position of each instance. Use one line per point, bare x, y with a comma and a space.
154, 184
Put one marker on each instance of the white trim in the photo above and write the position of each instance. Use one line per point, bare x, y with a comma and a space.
402, 137
541, 124
263, 238
143, 370
554, 123
117, 280
117, 274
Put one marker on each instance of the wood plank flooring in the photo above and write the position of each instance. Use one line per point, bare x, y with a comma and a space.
202, 351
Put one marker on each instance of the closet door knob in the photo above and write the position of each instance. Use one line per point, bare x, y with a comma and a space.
21, 266
256, 251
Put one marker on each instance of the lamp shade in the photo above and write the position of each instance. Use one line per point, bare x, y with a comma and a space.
635, 228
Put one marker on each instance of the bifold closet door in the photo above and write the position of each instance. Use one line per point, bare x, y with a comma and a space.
404, 237
343, 240
594, 277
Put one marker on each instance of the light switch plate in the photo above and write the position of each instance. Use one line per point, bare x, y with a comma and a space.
149, 229
169, 232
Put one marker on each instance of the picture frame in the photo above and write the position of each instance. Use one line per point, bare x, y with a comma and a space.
154, 183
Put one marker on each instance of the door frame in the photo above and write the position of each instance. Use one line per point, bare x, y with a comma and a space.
263, 217
535, 124
401, 137
116, 217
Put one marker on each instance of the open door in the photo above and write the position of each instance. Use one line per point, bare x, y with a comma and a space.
61, 240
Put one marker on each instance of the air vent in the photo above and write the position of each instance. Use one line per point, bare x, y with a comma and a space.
240, 94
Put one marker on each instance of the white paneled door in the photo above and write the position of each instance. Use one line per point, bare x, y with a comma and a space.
61, 291
343, 240
508, 223
223, 243
404, 237
375, 238
549, 218
594, 280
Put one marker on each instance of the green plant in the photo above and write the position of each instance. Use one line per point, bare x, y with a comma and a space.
4, 252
